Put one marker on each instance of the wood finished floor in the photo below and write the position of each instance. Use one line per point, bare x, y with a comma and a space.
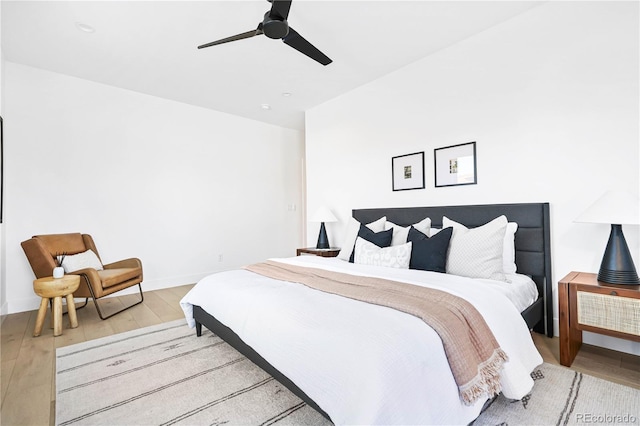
27, 378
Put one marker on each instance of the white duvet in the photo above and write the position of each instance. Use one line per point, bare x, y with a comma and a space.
362, 363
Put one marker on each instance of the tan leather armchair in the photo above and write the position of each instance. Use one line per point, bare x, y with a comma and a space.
42, 249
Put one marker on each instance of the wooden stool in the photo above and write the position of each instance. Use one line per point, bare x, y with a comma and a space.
56, 288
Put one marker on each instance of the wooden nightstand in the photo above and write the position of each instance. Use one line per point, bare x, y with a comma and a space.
330, 252
590, 305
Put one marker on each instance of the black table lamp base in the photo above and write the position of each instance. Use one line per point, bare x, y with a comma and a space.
617, 264
323, 240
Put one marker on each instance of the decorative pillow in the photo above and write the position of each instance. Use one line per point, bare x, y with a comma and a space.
477, 252
352, 233
429, 254
509, 249
367, 253
400, 232
87, 259
381, 239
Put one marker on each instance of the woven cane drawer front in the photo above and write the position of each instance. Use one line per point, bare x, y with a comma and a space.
621, 314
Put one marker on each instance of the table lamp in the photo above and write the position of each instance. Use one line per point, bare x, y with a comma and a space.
615, 208
322, 215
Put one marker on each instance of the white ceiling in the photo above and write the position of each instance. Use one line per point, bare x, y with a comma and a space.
150, 46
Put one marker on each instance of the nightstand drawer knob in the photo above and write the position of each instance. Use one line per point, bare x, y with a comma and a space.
614, 293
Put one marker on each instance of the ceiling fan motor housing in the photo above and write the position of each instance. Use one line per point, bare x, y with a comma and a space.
273, 27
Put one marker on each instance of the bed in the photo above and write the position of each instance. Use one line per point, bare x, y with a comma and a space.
315, 363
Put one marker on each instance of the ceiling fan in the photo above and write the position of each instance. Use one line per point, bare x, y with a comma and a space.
275, 25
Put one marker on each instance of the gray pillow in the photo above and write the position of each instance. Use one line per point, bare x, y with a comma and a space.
429, 254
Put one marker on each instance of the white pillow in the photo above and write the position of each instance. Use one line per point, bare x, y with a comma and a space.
352, 234
433, 231
367, 253
477, 252
400, 233
87, 259
509, 249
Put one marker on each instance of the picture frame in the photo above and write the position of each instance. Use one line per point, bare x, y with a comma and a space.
455, 165
407, 171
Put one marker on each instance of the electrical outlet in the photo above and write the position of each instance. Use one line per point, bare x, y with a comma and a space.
220, 257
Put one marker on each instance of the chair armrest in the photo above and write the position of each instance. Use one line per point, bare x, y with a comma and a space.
92, 277
126, 263
91, 273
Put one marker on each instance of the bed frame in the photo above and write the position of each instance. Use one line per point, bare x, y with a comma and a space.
533, 257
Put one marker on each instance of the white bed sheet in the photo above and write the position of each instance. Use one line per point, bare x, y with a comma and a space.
362, 363
521, 290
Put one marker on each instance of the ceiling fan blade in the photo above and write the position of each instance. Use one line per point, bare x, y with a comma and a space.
299, 43
280, 9
248, 34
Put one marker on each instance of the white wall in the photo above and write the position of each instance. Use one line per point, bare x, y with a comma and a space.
172, 184
550, 97
3, 287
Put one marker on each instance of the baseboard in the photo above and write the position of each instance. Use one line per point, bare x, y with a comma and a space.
3, 312
23, 305
613, 343
608, 342
33, 303
160, 284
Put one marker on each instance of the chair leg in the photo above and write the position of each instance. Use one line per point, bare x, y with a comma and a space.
86, 300
95, 301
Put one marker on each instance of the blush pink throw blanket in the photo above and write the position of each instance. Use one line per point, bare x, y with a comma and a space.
473, 353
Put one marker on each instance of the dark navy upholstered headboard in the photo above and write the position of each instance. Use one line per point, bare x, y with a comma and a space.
532, 241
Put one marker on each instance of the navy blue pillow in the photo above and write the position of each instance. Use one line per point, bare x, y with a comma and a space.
381, 239
429, 254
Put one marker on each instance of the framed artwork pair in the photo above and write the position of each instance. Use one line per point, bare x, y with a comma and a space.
453, 165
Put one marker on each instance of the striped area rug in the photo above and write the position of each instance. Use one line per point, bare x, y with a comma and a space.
561, 396
165, 375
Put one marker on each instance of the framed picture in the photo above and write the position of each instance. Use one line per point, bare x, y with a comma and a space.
456, 165
408, 171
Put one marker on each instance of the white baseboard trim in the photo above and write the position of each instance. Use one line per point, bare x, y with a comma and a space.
23, 305
608, 342
33, 303
613, 343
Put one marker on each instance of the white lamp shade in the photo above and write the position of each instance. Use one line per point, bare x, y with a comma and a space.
614, 207
323, 214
